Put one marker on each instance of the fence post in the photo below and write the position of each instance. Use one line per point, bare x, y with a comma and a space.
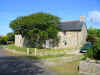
28, 51
35, 52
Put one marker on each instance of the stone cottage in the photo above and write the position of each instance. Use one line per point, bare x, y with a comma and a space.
72, 34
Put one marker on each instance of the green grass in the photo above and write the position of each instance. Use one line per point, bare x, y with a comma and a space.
13, 47
16, 48
32, 49
3, 45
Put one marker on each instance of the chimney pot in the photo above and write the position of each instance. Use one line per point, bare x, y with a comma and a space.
82, 18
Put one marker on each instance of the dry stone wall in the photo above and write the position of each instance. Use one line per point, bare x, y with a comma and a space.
89, 68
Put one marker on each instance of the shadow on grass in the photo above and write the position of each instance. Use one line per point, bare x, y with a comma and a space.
11, 65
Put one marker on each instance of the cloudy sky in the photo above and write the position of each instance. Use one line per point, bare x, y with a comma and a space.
65, 9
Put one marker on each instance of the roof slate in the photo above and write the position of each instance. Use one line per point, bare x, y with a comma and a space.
71, 25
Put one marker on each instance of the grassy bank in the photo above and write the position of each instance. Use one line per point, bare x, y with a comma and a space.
13, 47
32, 50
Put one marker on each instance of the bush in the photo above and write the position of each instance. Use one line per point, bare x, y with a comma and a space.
11, 37
3, 40
93, 34
94, 53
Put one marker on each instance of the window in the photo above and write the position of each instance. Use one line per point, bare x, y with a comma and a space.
64, 42
64, 33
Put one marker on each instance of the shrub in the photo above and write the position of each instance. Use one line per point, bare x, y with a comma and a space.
94, 53
11, 37
3, 40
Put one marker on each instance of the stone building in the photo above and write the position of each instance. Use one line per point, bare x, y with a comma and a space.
72, 34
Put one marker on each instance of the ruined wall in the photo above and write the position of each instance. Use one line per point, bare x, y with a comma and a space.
19, 41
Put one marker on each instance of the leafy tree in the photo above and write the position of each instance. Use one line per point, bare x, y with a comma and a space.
3, 39
21, 25
98, 33
36, 27
11, 37
93, 34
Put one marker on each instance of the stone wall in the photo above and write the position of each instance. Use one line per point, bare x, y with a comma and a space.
89, 68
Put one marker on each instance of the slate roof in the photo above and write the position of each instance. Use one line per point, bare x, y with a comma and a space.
71, 25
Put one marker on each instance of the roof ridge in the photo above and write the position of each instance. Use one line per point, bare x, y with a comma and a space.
70, 21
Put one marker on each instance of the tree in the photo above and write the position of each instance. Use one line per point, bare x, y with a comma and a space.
36, 27
11, 37
3, 39
93, 34
21, 25
98, 33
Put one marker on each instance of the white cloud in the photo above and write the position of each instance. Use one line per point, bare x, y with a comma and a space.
94, 17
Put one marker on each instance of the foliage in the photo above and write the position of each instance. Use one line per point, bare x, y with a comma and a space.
36, 27
7, 39
11, 37
94, 37
94, 52
3, 40
93, 34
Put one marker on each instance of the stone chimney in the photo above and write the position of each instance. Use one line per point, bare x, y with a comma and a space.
82, 18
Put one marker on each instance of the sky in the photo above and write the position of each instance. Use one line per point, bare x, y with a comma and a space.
65, 9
